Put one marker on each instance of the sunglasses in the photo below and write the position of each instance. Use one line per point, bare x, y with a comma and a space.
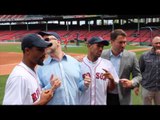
47, 39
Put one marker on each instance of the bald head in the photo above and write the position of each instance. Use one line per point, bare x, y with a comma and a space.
156, 44
156, 40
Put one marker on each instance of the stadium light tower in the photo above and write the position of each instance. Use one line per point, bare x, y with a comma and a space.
67, 25
46, 25
113, 25
89, 27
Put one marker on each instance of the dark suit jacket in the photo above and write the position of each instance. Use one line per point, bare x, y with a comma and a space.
128, 65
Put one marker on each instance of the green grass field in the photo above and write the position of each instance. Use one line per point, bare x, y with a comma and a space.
2, 86
82, 49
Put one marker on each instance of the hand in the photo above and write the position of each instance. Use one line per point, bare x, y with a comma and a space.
45, 97
79, 58
111, 84
136, 91
87, 80
126, 83
55, 82
108, 75
158, 51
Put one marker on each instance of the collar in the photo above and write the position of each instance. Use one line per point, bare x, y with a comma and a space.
91, 61
111, 54
27, 68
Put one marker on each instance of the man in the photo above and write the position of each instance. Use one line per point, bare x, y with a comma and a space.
48, 36
102, 73
67, 70
150, 67
22, 86
126, 64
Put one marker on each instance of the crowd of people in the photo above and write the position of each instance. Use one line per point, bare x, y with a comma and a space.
48, 76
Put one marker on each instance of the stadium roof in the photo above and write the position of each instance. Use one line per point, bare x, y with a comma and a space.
72, 17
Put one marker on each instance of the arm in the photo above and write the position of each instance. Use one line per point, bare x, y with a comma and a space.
84, 81
79, 58
15, 91
136, 73
46, 95
111, 84
87, 80
136, 91
141, 63
45, 80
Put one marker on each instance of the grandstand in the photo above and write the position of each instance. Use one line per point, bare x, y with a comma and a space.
140, 29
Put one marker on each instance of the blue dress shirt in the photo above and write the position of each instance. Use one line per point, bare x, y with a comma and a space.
69, 72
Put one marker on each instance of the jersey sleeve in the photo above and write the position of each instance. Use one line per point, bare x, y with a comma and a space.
15, 91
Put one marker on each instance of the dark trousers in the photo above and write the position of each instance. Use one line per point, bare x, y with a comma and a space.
112, 99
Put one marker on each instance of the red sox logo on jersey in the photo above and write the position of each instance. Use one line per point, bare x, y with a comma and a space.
35, 95
97, 76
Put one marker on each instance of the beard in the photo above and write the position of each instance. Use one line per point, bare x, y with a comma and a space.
40, 61
157, 51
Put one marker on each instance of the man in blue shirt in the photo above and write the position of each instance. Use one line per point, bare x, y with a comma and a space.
66, 68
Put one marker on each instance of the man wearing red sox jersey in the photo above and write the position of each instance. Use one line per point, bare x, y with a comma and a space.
96, 68
22, 86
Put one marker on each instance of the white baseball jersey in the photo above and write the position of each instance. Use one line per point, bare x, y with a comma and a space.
22, 87
97, 92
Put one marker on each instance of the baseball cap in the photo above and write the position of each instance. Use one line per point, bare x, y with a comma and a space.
31, 40
95, 40
42, 33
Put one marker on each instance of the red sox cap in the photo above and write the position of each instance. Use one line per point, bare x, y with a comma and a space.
95, 40
31, 40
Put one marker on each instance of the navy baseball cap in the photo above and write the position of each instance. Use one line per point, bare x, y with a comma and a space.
42, 33
31, 40
95, 40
